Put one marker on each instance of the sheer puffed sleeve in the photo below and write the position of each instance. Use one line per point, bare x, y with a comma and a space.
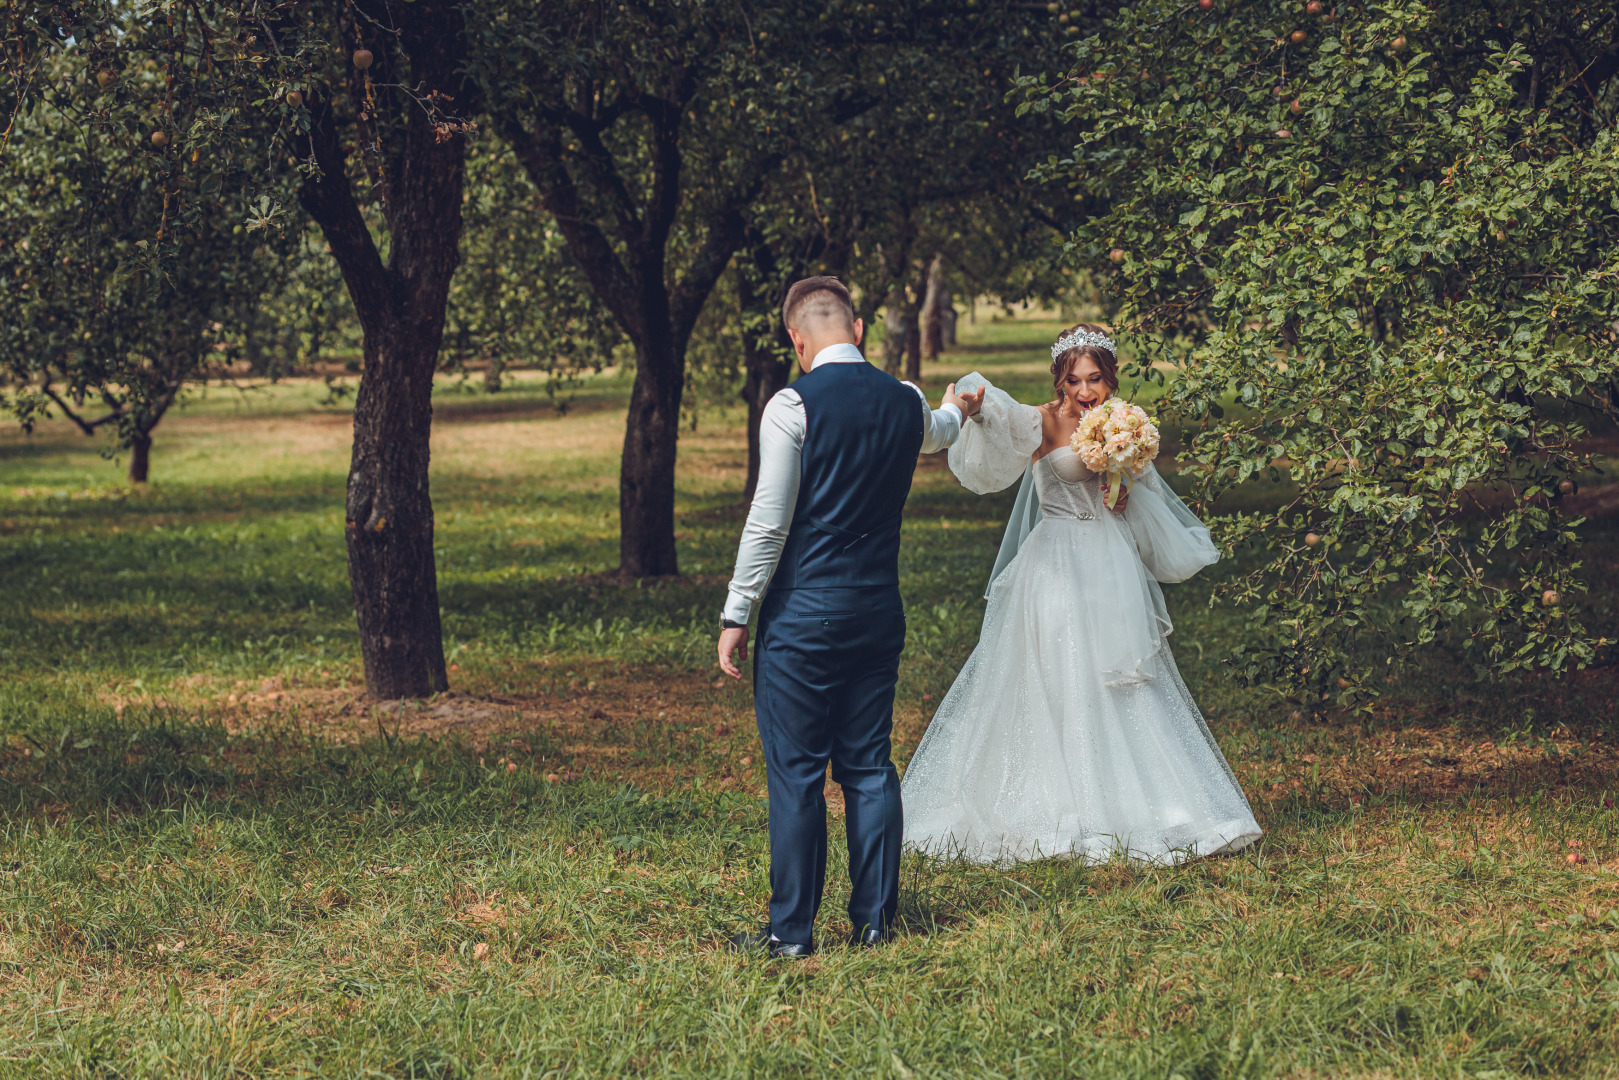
995, 445
1172, 542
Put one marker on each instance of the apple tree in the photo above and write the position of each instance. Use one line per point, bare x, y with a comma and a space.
517, 296
1375, 244
364, 106
133, 260
660, 136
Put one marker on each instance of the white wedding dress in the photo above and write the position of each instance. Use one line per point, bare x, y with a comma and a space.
1069, 730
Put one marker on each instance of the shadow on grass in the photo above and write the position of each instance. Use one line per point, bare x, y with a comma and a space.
142, 509
37, 447
149, 762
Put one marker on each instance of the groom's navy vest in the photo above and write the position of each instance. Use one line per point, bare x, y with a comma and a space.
864, 432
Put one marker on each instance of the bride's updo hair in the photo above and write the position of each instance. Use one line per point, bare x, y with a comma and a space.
1106, 362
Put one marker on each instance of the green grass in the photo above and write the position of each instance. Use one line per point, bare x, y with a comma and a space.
216, 860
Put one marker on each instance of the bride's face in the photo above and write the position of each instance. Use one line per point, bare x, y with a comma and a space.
1084, 385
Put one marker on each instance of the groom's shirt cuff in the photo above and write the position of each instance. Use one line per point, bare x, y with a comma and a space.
941, 427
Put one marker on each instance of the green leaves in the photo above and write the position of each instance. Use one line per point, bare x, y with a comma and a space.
128, 256
1410, 296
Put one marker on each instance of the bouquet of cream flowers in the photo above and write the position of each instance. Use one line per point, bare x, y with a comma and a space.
1115, 438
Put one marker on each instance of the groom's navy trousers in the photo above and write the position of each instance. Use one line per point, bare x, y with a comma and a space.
826, 656
824, 664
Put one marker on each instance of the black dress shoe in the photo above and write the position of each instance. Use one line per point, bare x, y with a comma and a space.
763, 940
868, 938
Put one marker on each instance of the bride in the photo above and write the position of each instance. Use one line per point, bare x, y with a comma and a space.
1069, 730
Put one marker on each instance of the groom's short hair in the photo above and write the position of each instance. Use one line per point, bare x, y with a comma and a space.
816, 298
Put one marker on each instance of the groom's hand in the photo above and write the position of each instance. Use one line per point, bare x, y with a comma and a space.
969, 404
733, 639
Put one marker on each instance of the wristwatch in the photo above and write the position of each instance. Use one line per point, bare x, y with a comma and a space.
732, 624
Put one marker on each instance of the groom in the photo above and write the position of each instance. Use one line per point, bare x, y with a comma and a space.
836, 452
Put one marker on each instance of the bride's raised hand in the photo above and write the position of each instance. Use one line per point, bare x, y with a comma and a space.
1124, 497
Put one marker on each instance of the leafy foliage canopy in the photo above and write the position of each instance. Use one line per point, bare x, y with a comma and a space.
1378, 243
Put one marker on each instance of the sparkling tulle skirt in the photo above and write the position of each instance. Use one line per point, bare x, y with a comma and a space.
1069, 731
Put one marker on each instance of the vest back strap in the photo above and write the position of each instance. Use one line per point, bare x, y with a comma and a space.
850, 537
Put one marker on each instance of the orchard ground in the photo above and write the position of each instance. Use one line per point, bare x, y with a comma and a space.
216, 857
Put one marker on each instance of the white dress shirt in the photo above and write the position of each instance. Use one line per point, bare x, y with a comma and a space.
782, 430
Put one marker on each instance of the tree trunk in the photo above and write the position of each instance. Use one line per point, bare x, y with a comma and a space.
935, 302
656, 318
896, 331
390, 514
493, 373
766, 374
646, 478
140, 457
913, 328
401, 306
148, 417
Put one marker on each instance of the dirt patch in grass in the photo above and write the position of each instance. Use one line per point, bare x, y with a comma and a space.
655, 729
1437, 765
1443, 756
660, 729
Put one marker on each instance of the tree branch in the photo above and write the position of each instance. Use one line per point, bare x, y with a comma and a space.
604, 174
687, 298
86, 426
664, 200
540, 154
725, 235
329, 200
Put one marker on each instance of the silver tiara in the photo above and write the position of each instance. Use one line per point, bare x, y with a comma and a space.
1094, 338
